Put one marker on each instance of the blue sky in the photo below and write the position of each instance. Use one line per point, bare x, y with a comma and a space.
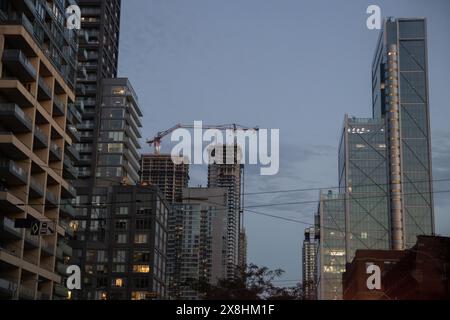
294, 65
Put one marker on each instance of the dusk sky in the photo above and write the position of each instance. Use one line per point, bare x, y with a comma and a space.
293, 65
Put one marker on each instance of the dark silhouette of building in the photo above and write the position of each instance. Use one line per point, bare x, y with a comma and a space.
419, 273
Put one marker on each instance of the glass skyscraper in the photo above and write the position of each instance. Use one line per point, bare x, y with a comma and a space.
330, 224
363, 181
400, 97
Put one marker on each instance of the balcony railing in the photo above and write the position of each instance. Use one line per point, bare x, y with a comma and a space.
65, 225
45, 92
68, 209
19, 63
8, 285
55, 152
75, 112
20, 20
70, 192
37, 187
41, 138
12, 173
74, 132
8, 225
13, 117
26, 293
58, 109
73, 153
69, 170
51, 198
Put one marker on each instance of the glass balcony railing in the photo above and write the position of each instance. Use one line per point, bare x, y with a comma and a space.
16, 60
37, 187
51, 198
75, 112
55, 152
44, 89
74, 132
73, 152
58, 107
10, 112
41, 138
8, 225
12, 173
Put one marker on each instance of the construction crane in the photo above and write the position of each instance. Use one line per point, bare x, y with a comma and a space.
156, 141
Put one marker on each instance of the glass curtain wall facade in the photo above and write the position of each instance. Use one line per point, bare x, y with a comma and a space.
98, 59
197, 246
400, 96
117, 164
363, 181
330, 224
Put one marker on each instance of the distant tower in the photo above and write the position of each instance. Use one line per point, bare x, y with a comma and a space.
309, 272
226, 172
161, 171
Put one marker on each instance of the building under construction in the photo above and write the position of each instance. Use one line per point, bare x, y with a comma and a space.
226, 171
160, 170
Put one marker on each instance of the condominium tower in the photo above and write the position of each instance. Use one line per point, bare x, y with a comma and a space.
117, 163
197, 242
37, 69
226, 172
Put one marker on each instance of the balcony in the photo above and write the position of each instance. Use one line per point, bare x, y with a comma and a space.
74, 134
58, 107
7, 230
65, 249
73, 153
83, 37
91, 90
55, 152
19, 65
68, 193
8, 288
36, 188
82, 73
13, 118
69, 172
31, 242
61, 291
82, 54
75, 112
14, 91
12, 146
44, 91
23, 21
81, 90
61, 268
26, 293
80, 105
50, 199
89, 103
47, 247
66, 227
67, 210
11, 173
40, 138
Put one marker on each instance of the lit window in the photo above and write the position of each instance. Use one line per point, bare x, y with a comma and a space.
141, 268
140, 239
119, 282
